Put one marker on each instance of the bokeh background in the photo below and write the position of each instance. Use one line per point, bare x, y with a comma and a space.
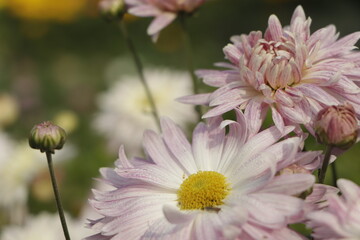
56, 57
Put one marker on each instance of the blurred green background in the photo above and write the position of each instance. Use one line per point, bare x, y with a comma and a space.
59, 61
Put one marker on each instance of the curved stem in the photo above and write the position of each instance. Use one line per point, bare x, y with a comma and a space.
189, 60
325, 164
140, 71
57, 196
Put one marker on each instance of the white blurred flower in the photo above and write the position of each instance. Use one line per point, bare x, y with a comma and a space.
17, 168
19, 164
125, 110
44, 226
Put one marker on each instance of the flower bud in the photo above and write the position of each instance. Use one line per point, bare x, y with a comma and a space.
337, 126
112, 9
47, 137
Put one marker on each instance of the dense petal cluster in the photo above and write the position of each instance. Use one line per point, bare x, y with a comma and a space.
288, 70
167, 195
341, 218
164, 11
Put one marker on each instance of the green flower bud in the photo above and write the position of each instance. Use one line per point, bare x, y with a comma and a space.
47, 137
337, 126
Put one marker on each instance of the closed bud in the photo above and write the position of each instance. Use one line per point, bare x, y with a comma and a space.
337, 126
112, 9
47, 137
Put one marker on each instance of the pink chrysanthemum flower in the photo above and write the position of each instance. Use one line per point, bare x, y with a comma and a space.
164, 11
222, 186
341, 218
289, 70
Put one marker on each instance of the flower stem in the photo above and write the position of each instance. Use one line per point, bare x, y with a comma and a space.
140, 71
57, 196
325, 163
189, 60
334, 173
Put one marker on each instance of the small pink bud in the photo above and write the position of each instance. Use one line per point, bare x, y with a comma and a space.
337, 126
112, 9
47, 137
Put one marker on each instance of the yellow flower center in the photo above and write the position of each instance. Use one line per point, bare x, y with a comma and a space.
203, 190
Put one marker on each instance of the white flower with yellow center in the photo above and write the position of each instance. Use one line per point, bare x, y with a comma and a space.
222, 186
124, 111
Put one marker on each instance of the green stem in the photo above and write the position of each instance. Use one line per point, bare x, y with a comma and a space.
57, 196
140, 71
189, 60
325, 164
334, 174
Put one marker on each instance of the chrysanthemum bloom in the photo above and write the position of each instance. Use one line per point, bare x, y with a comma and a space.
337, 126
289, 70
222, 186
125, 111
164, 11
341, 219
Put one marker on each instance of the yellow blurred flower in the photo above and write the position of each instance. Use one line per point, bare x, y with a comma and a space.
63, 10
67, 119
2, 3
9, 109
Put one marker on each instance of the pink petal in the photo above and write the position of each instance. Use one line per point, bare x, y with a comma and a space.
350, 190
201, 148
178, 144
291, 184
278, 120
261, 141
152, 174
197, 99
158, 152
255, 113
175, 216
144, 11
217, 78
222, 109
275, 208
298, 13
318, 94
275, 28
160, 22
232, 53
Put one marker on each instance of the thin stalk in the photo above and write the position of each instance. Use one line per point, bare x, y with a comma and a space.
325, 163
189, 60
57, 196
140, 71
334, 173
